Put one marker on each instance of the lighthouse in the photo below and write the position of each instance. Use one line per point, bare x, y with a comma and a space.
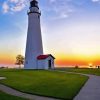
34, 57
34, 40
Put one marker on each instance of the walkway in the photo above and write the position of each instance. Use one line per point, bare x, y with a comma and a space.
91, 90
14, 92
2, 78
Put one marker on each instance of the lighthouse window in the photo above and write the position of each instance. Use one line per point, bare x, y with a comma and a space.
36, 4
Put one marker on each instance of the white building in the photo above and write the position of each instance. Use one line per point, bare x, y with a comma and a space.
34, 39
45, 61
34, 46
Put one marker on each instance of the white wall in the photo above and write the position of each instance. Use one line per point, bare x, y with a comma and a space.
43, 64
34, 41
52, 62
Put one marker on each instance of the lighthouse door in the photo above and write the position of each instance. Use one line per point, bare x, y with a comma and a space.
49, 64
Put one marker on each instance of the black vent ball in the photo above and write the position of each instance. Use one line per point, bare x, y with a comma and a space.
34, 3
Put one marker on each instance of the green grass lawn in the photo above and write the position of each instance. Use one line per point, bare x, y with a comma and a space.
46, 83
4, 96
85, 71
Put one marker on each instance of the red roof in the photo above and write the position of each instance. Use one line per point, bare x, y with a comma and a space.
40, 57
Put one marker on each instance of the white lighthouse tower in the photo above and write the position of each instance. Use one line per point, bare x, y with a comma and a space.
34, 40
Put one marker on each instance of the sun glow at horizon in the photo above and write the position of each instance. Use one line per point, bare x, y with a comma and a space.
61, 60
81, 60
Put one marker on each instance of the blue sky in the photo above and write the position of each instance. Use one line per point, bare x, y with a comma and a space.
70, 28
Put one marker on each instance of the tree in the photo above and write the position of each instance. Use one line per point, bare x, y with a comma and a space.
19, 60
76, 66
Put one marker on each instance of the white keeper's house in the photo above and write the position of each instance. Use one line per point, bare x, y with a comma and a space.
45, 61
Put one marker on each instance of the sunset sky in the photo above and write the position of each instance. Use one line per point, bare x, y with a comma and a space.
70, 30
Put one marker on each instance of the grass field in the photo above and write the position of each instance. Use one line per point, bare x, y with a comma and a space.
4, 96
85, 71
46, 83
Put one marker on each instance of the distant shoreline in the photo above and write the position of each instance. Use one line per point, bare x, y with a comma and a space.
67, 66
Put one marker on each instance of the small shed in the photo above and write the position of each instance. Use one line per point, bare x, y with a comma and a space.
45, 61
